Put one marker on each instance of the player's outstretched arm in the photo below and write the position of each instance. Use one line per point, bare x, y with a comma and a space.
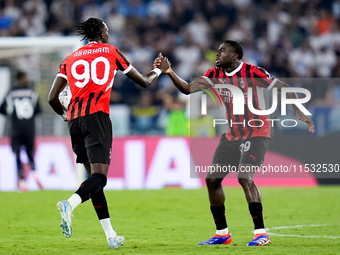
182, 85
147, 79
58, 85
299, 115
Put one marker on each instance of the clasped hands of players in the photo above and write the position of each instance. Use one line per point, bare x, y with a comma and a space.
162, 63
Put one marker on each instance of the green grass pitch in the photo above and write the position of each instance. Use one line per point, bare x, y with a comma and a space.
172, 221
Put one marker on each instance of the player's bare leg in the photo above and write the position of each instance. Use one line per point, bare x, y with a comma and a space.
215, 191
253, 197
217, 199
250, 189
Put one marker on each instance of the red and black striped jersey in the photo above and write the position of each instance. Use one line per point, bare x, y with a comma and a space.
244, 76
90, 72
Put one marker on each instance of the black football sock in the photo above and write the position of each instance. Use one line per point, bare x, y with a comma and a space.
91, 186
19, 167
218, 213
21, 175
100, 205
255, 210
32, 165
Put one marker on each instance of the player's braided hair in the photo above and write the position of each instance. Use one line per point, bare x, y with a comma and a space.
90, 29
237, 48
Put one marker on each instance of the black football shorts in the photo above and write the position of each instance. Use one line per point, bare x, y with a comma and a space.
91, 138
233, 153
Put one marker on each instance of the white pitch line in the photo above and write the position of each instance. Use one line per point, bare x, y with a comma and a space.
302, 226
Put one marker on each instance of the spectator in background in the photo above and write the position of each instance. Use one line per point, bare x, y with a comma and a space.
237, 32
325, 60
324, 98
144, 115
158, 9
61, 18
21, 105
199, 30
302, 61
336, 8
115, 21
177, 122
134, 8
189, 48
295, 32
5, 23
33, 20
11, 10
325, 21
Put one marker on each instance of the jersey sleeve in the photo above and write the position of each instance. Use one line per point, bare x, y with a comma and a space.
122, 62
62, 70
210, 76
263, 78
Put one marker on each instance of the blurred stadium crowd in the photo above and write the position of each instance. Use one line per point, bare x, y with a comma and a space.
289, 38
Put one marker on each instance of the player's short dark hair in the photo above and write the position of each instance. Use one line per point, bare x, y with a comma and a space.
20, 75
237, 47
90, 29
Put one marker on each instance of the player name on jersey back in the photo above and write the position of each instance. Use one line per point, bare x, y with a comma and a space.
91, 51
21, 93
